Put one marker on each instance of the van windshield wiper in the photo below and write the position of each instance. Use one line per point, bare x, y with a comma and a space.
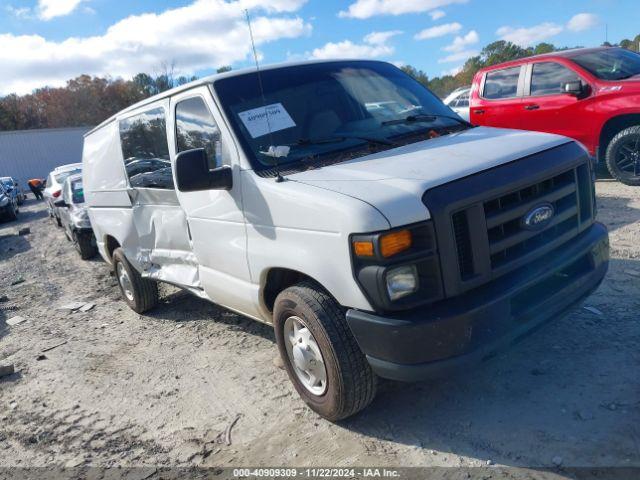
342, 138
424, 118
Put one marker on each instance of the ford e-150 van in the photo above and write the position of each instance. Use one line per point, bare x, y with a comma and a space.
342, 202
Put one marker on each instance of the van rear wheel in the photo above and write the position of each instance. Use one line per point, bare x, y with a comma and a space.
141, 294
320, 354
623, 156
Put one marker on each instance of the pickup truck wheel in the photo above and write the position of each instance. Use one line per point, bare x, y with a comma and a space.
623, 156
320, 354
141, 294
85, 245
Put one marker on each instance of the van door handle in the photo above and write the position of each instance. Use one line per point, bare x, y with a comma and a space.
478, 112
532, 107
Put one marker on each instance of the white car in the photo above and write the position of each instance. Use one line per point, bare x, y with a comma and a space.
54, 184
401, 247
458, 101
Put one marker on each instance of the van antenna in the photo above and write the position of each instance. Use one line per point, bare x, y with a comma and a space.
279, 177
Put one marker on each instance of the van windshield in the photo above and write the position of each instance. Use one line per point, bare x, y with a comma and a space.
610, 64
332, 111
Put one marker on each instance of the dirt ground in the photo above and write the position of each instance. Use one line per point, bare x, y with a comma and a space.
163, 388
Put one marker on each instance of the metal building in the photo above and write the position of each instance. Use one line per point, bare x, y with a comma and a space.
26, 154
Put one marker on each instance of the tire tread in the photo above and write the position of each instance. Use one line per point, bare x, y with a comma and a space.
359, 380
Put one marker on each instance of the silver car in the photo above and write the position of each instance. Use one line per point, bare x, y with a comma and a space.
8, 204
74, 217
55, 181
458, 101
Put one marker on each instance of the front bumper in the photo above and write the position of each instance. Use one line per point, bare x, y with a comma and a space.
436, 340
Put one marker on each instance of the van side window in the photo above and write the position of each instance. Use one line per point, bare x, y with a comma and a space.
549, 78
146, 151
501, 84
196, 128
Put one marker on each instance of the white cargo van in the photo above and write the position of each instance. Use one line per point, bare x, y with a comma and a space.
342, 202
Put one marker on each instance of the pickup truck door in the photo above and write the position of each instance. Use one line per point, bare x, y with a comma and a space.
215, 217
546, 108
498, 101
162, 246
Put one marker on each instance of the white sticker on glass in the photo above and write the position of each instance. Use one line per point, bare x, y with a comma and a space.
255, 120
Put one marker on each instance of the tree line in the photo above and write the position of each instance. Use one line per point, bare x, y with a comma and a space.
88, 100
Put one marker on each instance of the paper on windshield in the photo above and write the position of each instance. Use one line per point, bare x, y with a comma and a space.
255, 120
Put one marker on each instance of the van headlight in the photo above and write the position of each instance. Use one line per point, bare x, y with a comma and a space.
402, 281
398, 269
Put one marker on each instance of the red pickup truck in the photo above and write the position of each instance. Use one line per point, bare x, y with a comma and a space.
589, 94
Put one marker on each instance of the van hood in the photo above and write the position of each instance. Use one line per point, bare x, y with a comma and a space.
394, 181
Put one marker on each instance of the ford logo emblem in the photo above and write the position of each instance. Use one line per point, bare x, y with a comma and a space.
538, 217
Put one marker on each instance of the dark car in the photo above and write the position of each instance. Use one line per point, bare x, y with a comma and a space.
8, 204
74, 217
12, 187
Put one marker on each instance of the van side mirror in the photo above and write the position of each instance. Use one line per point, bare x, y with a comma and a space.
574, 88
193, 174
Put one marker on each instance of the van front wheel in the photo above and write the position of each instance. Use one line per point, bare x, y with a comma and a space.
320, 354
141, 294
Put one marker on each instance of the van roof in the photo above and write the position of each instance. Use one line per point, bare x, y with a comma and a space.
210, 79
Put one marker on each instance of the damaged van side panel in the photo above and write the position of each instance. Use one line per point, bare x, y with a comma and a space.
148, 223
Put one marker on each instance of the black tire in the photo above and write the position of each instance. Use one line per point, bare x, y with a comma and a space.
58, 221
144, 291
85, 245
350, 382
12, 213
623, 156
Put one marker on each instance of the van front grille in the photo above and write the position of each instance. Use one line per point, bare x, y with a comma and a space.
483, 222
508, 238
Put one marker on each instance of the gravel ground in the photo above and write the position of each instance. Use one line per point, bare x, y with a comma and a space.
120, 389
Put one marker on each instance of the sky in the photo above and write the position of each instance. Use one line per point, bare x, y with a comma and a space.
46, 42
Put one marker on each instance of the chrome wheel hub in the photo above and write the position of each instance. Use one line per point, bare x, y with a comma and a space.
305, 356
125, 281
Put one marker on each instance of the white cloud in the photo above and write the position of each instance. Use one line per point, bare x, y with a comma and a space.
48, 9
205, 34
19, 12
378, 38
374, 46
458, 56
369, 8
461, 43
438, 31
526, 37
437, 14
582, 21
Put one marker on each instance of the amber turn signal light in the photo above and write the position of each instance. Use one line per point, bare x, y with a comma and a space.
363, 249
394, 243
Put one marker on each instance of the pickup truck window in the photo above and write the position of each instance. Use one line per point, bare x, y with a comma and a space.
500, 84
146, 151
610, 64
196, 128
548, 78
332, 111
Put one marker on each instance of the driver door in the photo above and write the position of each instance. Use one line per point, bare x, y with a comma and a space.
215, 217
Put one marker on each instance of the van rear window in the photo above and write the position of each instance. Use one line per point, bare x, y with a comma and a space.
146, 151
